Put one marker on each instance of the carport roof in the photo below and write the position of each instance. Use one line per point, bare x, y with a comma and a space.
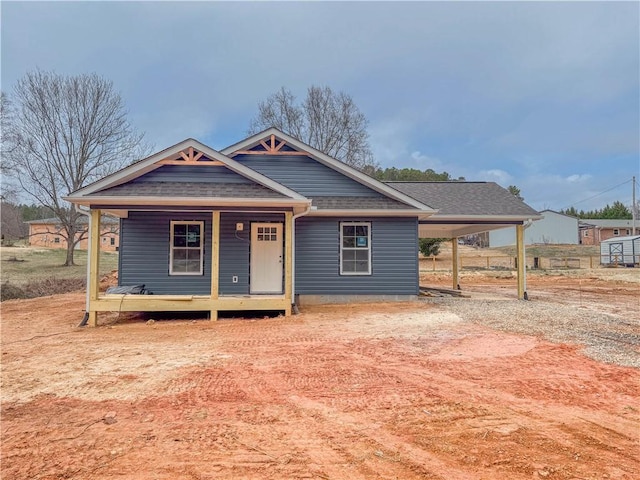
466, 208
466, 198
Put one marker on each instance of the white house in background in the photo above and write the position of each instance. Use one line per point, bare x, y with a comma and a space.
553, 228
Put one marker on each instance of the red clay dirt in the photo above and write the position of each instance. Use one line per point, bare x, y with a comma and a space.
387, 391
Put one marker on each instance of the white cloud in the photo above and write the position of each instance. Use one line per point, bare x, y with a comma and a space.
496, 175
424, 162
579, 178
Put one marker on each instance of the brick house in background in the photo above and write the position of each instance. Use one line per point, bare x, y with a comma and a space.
47, 233
593, 231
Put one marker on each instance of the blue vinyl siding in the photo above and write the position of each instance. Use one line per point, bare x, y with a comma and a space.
193, 174
235, 250
144, 254
306, 176
394, 258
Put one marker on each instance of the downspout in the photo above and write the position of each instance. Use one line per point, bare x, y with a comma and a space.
85, 319
293, 257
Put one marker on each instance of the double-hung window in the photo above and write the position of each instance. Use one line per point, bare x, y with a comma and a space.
355, 248
187, 241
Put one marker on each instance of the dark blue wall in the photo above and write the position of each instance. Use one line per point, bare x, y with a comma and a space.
235, 250
305, 175
144, 254
394, 258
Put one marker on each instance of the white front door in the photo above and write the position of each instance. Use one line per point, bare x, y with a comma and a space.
266, 258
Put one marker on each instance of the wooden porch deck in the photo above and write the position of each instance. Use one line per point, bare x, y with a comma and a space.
186, 303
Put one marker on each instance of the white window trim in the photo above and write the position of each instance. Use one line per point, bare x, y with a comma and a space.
171, 247
356, 224
616, 232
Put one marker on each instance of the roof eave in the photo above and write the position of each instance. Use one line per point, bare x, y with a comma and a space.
485, 217
186, 201
386, 212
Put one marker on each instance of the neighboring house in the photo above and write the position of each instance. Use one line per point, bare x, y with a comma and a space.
261, 225
594, 231
554, 228
48, 232
620, 251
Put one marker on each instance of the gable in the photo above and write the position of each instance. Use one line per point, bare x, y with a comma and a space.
178, 170
309, 171
305, 175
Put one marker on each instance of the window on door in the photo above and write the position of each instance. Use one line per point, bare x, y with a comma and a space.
355, 248
186, 256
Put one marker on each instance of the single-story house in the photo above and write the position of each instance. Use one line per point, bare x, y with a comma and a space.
47, 233
266, 223
553, 228
594, 231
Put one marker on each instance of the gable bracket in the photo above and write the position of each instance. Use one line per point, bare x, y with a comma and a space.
272, 146
190, 157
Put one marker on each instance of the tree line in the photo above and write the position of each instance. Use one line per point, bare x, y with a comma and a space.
617, 211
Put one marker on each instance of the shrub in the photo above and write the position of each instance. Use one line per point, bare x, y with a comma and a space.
430, 247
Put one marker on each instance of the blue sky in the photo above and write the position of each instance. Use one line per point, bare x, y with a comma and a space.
543, 95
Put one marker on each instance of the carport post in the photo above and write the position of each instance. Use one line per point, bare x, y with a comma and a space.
521, 267
455, 262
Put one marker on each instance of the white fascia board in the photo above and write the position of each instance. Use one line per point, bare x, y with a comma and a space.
331, 163
189, 201
369, 213
496, 218
150, 163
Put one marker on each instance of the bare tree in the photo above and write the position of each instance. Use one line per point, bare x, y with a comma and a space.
66, 132
328, 121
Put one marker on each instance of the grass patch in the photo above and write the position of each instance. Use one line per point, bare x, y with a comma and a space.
24, 266
548, 251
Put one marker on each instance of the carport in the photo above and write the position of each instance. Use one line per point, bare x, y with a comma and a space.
466, 208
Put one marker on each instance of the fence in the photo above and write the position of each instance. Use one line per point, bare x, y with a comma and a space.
505, 262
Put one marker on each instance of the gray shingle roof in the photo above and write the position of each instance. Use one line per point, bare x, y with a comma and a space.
358, 203
608, 223
465, 198
189, 189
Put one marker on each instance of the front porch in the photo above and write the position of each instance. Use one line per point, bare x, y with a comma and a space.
214, 302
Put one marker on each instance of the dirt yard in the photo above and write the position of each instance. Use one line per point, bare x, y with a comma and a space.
485, 387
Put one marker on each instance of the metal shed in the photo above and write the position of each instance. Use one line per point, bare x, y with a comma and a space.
620, 251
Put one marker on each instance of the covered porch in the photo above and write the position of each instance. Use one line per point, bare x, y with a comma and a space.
213, 301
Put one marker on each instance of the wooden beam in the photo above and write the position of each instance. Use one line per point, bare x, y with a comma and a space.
288, 256
94, 266
280, 145
215, 259
455, 263
190, 303
210, 163
253, 152
522, 266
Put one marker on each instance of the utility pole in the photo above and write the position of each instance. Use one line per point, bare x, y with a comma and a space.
633, 206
